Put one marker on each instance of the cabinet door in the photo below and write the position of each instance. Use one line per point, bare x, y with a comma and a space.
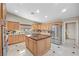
41, 47
9, 25
41, 26
21, 38
16, 26
2, 11
0, 51
47, 43
10, 39
16, 39
0, 43
31, 44
12, 25
35, 48
27, 41
32, 26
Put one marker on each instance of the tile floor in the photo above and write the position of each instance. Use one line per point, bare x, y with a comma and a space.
56, 50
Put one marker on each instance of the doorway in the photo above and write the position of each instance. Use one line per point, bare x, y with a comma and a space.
70, 34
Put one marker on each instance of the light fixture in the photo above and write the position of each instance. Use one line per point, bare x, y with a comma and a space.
64, 10
37, 11
46, 16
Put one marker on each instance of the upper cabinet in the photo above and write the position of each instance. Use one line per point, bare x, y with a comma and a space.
2, 11
12, 25
35, 27
44, 26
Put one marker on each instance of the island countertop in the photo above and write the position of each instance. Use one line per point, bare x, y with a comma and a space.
39, 36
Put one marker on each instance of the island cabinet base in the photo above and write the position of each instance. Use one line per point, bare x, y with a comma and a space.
39, 47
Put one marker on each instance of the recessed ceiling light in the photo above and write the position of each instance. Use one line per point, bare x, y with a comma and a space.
64, 10
16, 10
46, 16
37, 11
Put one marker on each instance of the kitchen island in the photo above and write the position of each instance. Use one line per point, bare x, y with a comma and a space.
38, 44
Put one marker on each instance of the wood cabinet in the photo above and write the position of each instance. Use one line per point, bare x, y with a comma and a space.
27, 41
16, 39
2, 11
0, 43
42, 46
13, 39
33, 26
30, 46
2, 17
44, 26
48, 43
10, 39
39, 47
12, 25
21, 37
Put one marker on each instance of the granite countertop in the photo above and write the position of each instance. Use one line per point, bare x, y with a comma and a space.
39, 36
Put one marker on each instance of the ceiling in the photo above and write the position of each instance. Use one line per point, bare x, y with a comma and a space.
43, 12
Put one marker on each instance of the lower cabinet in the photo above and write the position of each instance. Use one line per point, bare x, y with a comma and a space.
10, 39
0, 45
39, 47
16, 39
21, 38
47, 44
27, 41
30, 46
0, 51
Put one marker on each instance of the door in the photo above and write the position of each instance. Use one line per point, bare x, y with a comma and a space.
71, 28
71, 34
